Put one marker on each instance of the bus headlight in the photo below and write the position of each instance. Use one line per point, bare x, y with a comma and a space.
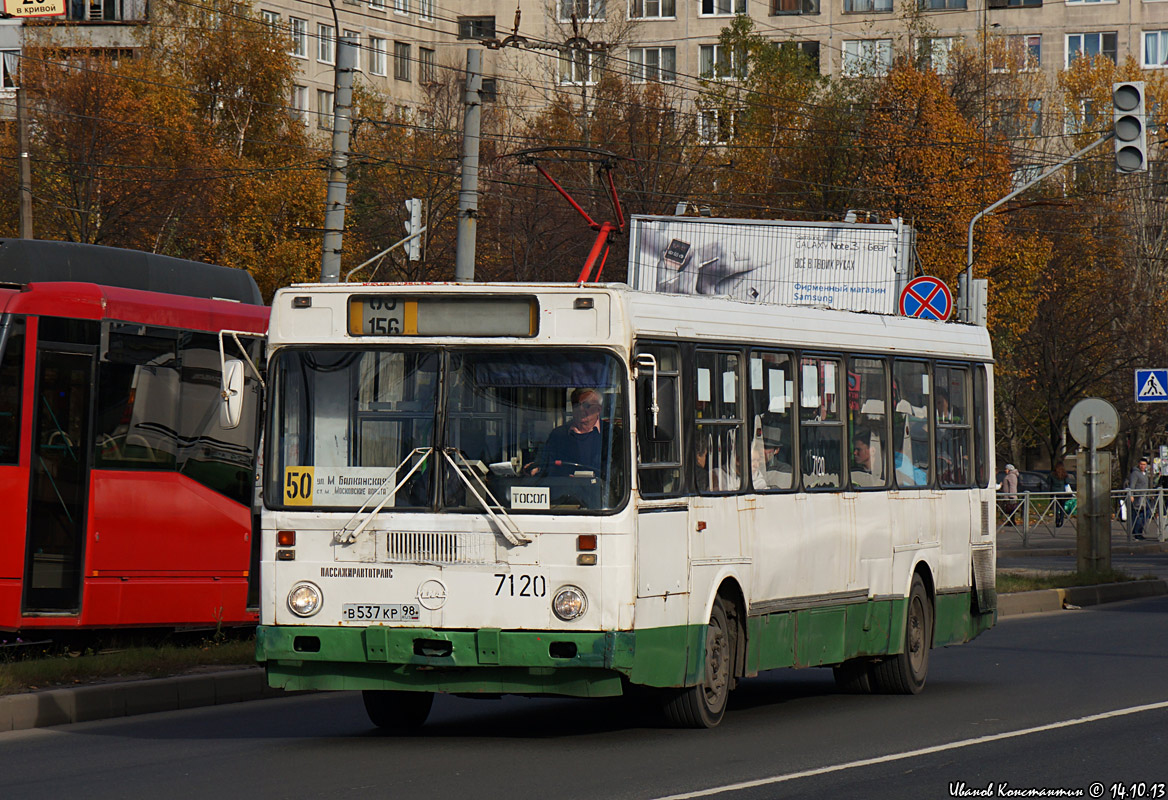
304, 600
569, 603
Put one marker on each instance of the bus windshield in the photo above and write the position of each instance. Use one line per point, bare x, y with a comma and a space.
531, 430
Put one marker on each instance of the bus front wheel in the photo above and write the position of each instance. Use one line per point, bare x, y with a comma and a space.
397, 712
905, 672
704, 705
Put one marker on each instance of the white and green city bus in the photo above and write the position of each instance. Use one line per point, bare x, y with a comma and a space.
578, 489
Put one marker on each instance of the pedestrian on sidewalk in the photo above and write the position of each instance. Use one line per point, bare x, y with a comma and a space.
1009, 488
1137, 486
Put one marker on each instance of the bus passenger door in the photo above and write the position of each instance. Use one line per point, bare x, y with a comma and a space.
59, 479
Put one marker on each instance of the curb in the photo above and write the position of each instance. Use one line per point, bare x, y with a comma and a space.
1043, 600
110, 700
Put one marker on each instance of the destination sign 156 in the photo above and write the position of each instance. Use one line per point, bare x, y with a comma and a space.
390, 315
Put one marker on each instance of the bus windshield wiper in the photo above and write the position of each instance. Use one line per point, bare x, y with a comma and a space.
494, 508
347, 536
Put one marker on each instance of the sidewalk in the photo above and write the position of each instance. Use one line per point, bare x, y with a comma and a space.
1054, 549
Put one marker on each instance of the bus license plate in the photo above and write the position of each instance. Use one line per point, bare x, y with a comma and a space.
384, 612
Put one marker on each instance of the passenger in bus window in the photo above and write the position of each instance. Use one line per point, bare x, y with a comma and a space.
770, 459
866, 461
580, 445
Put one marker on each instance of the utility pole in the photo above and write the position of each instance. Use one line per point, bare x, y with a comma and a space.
338, 184
468, 195
12, 66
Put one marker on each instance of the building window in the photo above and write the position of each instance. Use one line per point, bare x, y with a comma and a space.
809, 51
1034, 117
427, 65
401, 61
941, 5
716, 62
584, 10
653, 9
1027, 48
1015, 3
9, 63
300, 103
1085, 2
1090, 45
324, 109
722, 8
578, 67
426, 9
1081, 118
377, 55
476, 27
271, 19
377, 5
867, 57
867, 6
794, 7
935, 52
326, 36
715, 126
299, 30
1155, 49
401, 6
653, 64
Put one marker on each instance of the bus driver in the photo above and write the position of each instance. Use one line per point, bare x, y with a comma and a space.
580, 444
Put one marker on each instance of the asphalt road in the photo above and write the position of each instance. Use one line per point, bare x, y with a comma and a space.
1053, 701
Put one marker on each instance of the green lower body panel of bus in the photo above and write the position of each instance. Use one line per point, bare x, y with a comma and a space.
587, 664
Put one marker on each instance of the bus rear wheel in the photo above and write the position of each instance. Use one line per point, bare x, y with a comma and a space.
704, 705
905, 672
397, 712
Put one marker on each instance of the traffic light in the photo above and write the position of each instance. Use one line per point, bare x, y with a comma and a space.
413, 225
1131, 142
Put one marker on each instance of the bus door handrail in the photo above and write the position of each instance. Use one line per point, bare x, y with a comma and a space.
344, 535
497, 513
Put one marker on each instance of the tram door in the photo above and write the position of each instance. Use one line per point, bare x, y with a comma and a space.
59, 479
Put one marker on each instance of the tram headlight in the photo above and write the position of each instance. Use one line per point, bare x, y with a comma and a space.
305, 599
569, 603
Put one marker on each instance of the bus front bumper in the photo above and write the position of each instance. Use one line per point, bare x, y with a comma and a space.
487, 661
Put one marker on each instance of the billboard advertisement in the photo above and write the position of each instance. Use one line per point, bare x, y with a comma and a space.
840, 265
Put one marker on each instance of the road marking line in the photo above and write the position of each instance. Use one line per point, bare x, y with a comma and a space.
924, 751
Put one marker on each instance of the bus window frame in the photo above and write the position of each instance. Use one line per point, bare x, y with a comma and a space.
886, 432
691, 418
792, 428
967, 367
931, 474
841, 360
677, 376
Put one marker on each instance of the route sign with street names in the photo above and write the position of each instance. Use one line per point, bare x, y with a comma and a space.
1152, 385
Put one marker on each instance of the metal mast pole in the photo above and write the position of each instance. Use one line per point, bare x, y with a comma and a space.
468, 195
338, 184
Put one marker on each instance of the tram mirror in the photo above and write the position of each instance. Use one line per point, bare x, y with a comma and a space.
231, 409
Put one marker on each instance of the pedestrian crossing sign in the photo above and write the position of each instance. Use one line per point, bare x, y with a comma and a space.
1152, 385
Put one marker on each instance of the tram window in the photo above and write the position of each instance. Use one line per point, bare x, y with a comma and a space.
868, 422
137, 408
954, 431
821, 429
912, 457
659, 447
979, 425
11, 389
220, 459
718, 433
772, 397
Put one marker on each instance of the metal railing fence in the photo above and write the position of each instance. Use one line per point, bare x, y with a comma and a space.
1056, 514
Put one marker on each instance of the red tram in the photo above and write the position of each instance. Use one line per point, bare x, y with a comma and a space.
123, 502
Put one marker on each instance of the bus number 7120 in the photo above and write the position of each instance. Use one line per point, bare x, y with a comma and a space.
525, 586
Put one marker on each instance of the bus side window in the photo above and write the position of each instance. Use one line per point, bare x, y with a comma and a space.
772, 397
821, 429
659, 446
981, 459
868, 422
11, 388
954, 430
911, 458
718, 423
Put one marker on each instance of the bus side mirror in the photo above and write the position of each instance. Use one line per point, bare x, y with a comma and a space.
231, 409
